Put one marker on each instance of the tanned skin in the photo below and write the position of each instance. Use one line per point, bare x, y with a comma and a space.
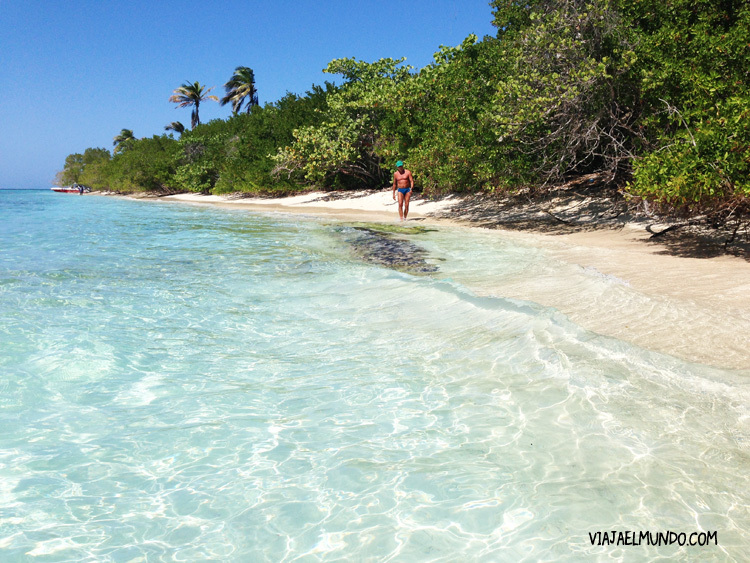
402, 178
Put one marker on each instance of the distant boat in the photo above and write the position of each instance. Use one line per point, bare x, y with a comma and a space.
74, 189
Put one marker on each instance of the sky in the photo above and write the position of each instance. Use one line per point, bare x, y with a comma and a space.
73, 73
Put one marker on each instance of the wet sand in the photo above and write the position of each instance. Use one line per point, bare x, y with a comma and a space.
697, 309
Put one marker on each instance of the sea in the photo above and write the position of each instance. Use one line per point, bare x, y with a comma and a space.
184, 383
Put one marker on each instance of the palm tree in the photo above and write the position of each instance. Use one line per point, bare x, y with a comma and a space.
175, 126
192, 95
241, 89
122, 140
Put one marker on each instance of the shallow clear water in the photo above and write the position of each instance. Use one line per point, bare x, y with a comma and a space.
190, 384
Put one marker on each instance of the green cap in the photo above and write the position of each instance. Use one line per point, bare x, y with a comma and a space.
399, 163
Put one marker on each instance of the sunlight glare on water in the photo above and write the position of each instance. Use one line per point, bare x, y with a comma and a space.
189, 384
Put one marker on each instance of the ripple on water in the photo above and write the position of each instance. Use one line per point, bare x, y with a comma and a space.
252, 391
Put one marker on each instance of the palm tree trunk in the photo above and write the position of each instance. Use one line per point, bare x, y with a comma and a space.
195, 119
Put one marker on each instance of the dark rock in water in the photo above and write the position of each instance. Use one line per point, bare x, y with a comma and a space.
377, 246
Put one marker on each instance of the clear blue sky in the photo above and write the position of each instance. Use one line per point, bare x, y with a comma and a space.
74, 73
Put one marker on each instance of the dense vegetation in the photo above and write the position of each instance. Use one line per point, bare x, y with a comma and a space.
649, 96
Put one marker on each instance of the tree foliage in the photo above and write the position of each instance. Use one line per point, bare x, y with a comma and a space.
240, 89
650, 96
570, 103
122, 140
219, 156
147, 165
175, 126
192, 94
341, 149
695, 79
86, 168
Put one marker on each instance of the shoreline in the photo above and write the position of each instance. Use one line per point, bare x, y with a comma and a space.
715, 290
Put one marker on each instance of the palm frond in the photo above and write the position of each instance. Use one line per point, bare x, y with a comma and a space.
175, 126
192, 95
240, 88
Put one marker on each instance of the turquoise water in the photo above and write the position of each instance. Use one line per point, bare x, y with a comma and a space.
190, 384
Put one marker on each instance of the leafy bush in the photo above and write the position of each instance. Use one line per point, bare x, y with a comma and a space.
145, 165
693, 60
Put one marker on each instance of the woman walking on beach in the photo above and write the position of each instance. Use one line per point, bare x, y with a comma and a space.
403, 181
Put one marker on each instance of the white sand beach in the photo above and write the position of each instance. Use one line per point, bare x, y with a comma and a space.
363, 205
696, 309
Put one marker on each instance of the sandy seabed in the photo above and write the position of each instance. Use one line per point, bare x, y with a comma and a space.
697, 309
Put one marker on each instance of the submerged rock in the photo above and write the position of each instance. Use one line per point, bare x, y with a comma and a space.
375, 243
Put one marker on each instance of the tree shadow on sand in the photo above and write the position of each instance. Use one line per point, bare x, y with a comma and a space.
593, 208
